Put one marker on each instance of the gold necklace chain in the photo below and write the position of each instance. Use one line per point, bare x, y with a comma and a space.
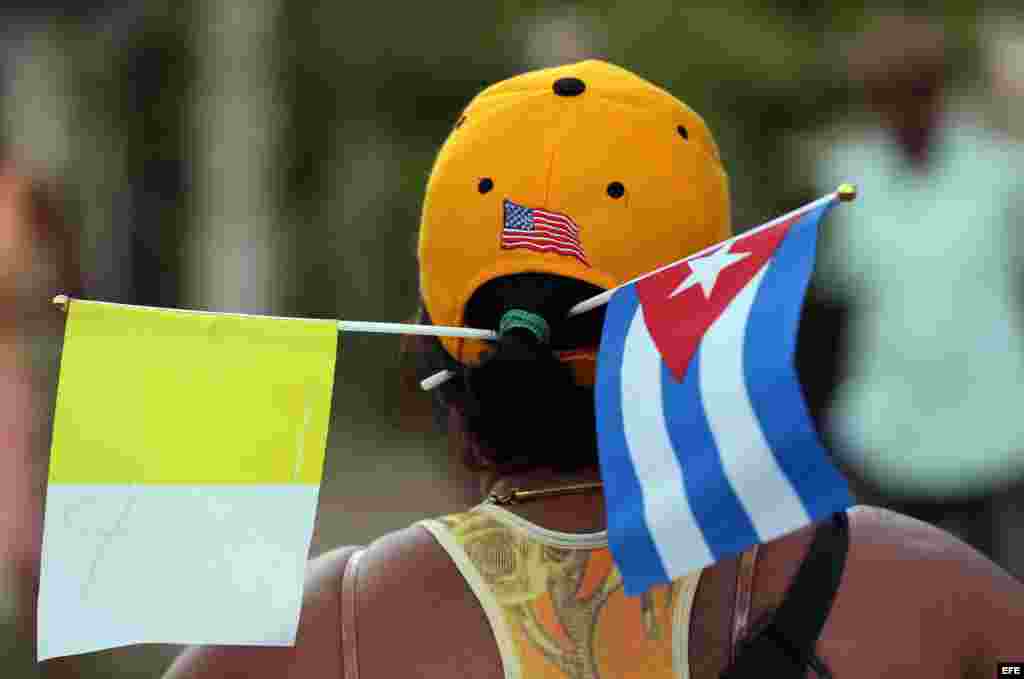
516, 496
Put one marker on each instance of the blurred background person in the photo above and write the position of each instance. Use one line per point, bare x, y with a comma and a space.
1003, 59
928, 265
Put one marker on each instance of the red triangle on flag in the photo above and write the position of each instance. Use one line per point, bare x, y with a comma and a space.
681, 302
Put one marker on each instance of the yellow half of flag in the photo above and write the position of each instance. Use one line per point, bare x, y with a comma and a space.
152, 395
185, 467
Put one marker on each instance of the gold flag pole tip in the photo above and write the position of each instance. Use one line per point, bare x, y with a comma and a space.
62, 301
847, 192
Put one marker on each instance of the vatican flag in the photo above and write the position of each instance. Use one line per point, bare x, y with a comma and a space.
186, 460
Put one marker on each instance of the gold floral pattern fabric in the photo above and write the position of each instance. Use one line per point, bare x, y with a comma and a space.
565, 608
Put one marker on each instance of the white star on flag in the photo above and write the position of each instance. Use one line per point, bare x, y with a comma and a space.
705, 270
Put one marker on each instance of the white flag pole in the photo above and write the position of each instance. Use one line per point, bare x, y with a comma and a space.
436, 380
413, 329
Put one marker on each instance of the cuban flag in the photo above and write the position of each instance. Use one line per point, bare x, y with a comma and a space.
706, 445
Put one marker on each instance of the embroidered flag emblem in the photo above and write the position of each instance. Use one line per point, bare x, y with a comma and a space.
541, 230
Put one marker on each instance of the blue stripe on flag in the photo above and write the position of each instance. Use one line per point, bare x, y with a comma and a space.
724, 522
628, 537
777, 399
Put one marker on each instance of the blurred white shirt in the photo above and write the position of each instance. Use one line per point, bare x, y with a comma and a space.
930, 260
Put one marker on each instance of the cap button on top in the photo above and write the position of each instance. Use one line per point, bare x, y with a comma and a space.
568, 87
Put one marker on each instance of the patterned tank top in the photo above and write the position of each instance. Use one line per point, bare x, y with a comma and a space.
555, 601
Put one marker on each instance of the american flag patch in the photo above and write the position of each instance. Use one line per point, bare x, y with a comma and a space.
541, 230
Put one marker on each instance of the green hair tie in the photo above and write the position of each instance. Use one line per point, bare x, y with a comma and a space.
518, 318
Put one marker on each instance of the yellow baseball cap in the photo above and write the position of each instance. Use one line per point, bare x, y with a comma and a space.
585, 171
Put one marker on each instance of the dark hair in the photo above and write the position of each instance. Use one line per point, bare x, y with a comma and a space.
520, 408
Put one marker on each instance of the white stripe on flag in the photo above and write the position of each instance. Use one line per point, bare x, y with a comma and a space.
672, 525
760, 484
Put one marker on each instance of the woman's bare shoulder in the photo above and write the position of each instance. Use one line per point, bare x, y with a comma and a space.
316, 649
881, 535
913, 595
412, 597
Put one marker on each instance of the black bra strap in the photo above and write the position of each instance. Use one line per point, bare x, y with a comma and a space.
787, 642
808, 602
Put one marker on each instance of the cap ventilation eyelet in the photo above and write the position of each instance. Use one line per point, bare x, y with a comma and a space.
568, 87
